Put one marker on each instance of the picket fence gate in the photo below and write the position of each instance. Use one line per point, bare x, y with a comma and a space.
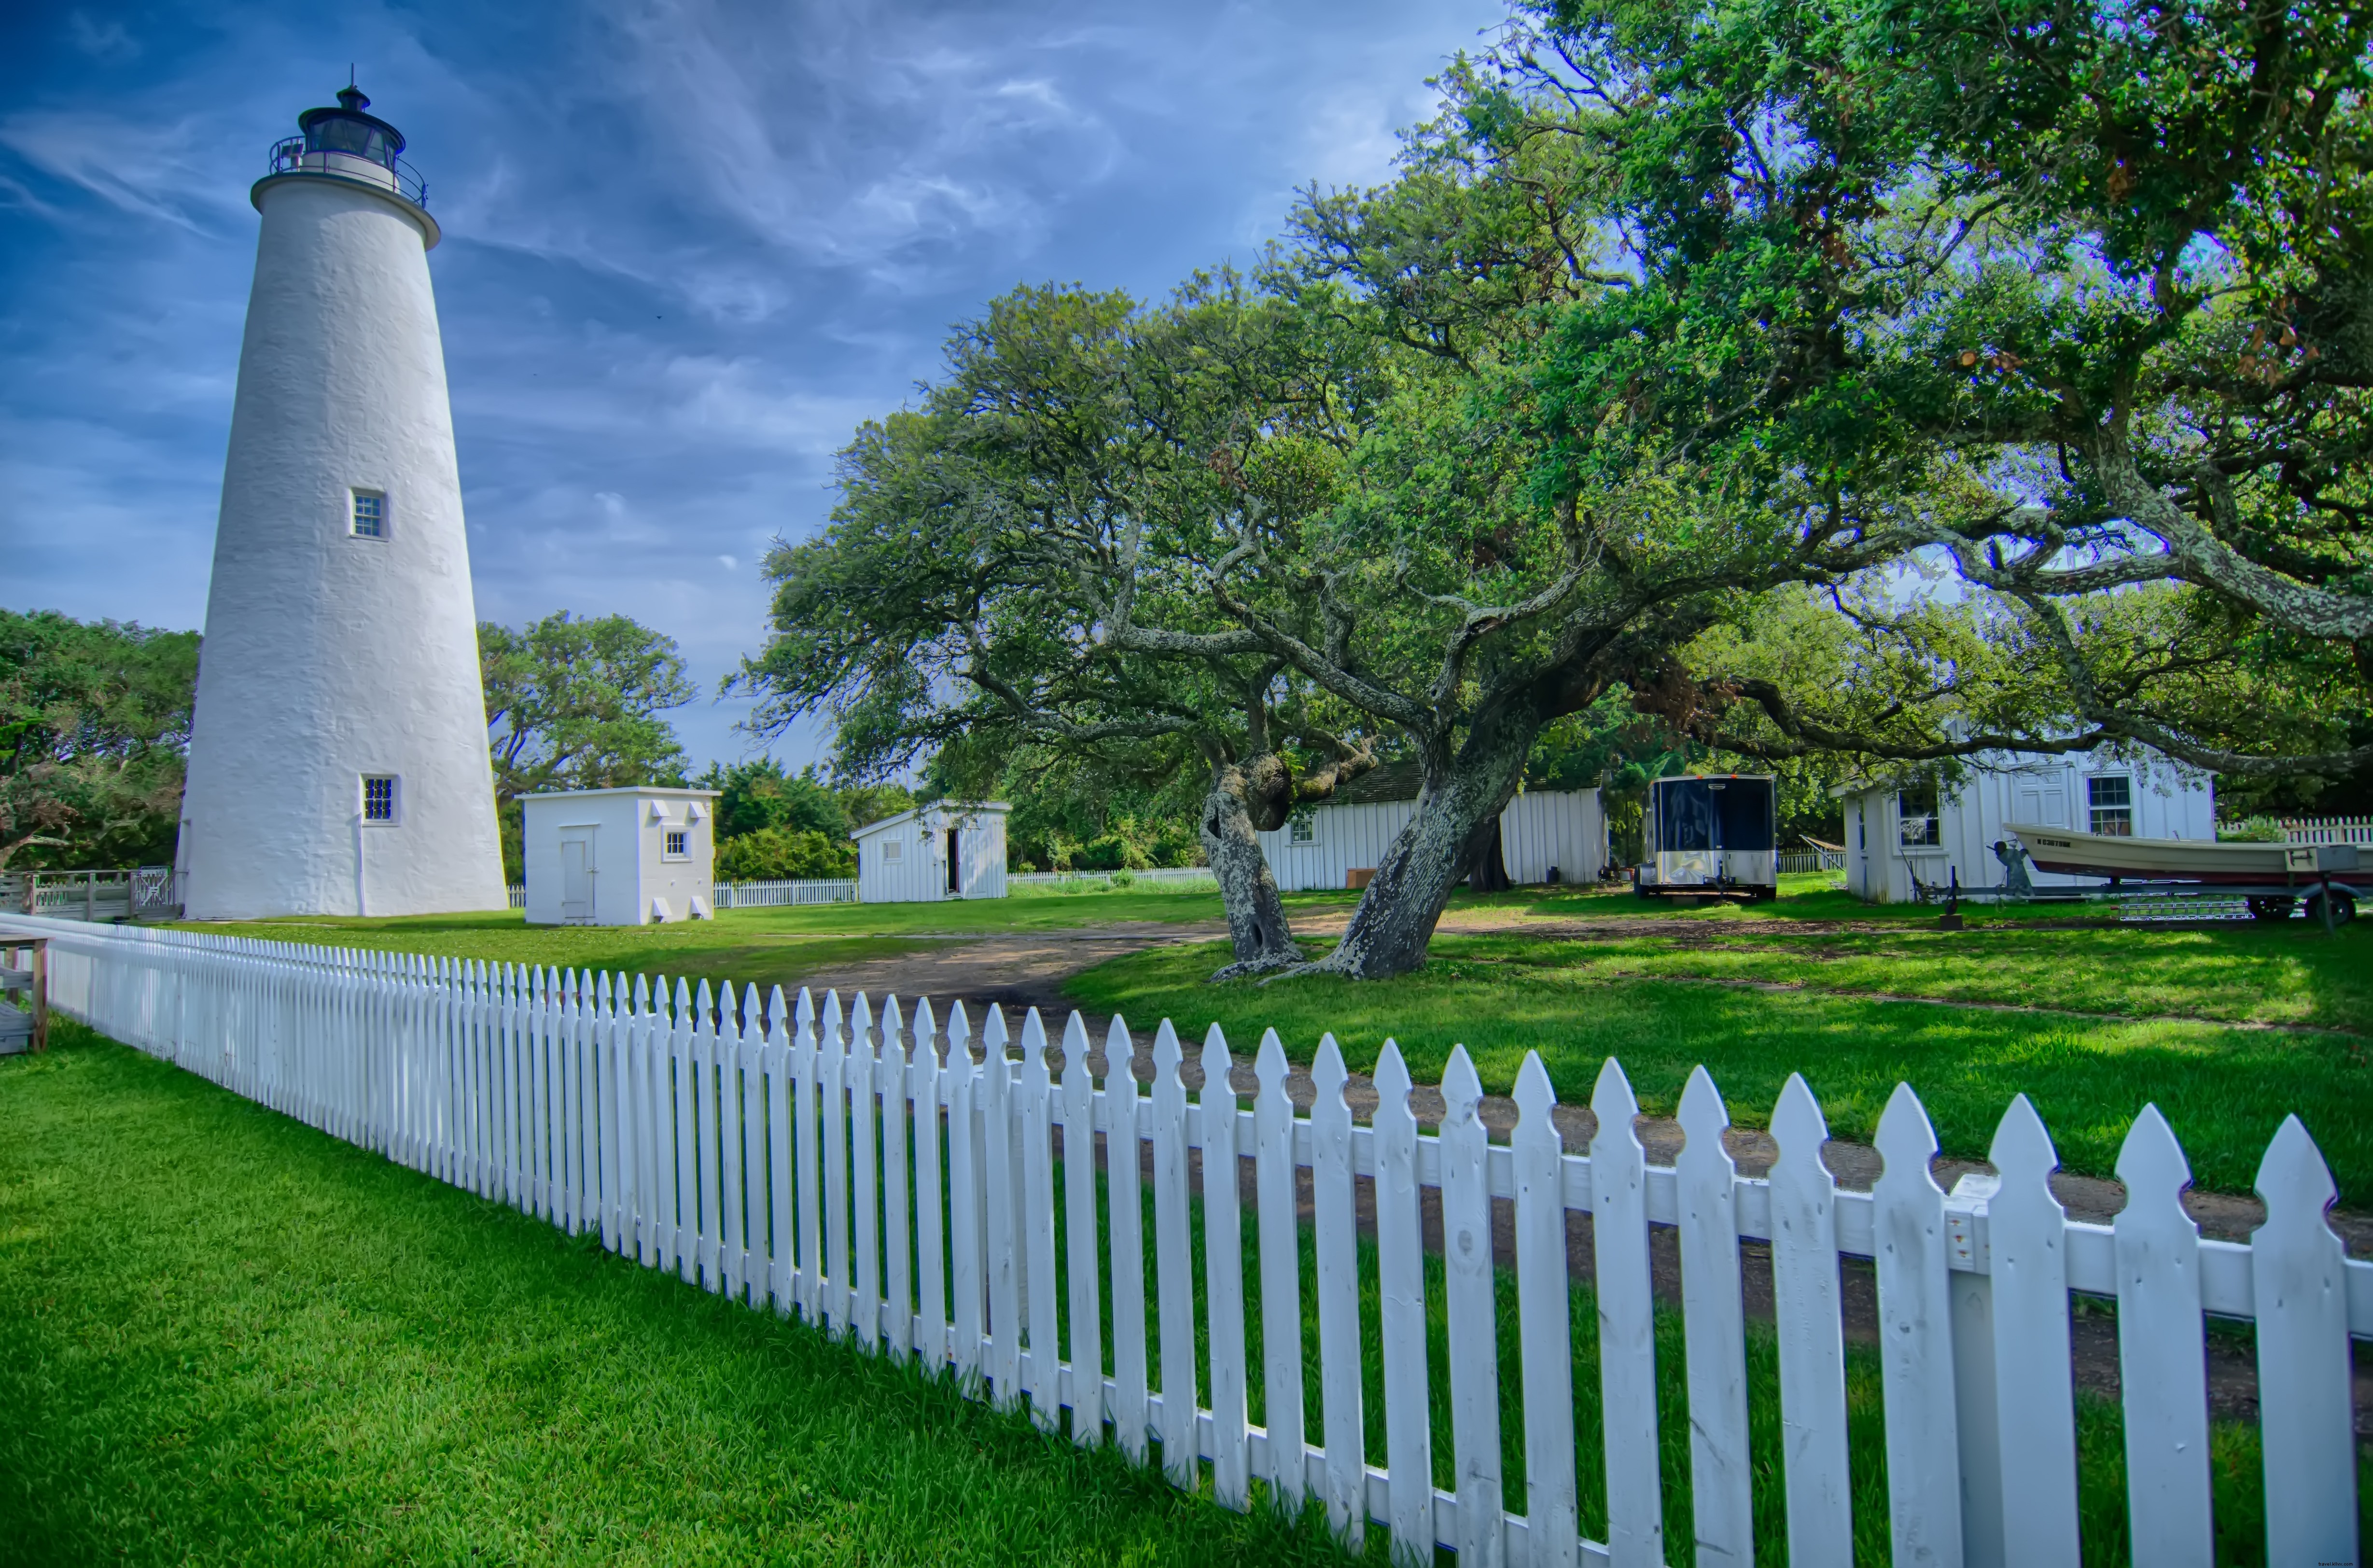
728, 1140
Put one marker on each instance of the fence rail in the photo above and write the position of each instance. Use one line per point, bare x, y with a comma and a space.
794, 1156
145, 893
757, 894
1163, 875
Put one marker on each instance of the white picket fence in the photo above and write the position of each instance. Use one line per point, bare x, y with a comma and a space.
1161, 876
727, 1140
2328, 830
775, 895
758, 895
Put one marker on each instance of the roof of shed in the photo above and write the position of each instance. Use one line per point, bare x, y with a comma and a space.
1386, 781
952, 808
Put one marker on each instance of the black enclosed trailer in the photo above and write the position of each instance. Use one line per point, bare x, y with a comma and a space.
1712, 834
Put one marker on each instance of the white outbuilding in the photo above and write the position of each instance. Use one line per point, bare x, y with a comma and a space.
1903, 837
952, 850
1545, 834
639, 856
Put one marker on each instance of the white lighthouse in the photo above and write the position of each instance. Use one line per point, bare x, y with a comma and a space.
338, 761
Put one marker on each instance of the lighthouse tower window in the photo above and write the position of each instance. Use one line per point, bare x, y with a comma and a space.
370, 514
379, 797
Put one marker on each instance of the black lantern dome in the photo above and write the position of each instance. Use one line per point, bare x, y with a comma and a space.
348, 130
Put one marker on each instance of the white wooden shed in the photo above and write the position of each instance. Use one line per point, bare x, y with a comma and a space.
629, 857
1323, 847
1901, 837
952, 850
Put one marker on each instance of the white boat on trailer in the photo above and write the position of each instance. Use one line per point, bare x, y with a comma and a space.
2271, 877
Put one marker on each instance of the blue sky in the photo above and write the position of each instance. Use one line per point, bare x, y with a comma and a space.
688, 248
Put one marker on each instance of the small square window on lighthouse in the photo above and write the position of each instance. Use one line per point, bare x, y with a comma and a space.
370, 514
379, 797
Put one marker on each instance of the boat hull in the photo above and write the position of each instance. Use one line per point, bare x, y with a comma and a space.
2069, 853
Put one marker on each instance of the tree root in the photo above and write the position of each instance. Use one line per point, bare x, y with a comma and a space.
1246, 968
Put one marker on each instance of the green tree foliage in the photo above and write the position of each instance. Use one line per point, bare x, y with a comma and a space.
1017, 567
758, 794
2094, 285
94, 731
773, 824
774, 854
575, 705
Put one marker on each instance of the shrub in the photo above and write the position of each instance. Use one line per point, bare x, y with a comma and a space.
779, 854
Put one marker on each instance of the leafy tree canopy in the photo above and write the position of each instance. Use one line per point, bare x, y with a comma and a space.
575, 704
94, 733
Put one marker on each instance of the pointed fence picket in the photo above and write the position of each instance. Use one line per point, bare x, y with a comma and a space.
863, 1171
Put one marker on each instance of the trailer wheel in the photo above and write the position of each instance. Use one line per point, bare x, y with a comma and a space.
2344, 907
2270, 908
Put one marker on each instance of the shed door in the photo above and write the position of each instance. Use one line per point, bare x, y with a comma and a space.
955, 861
577, 876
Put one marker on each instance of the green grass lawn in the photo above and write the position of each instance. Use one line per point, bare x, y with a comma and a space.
2224, 1090
227, 1339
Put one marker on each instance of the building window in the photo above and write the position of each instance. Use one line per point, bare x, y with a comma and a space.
1304, 828
893, 851
1916, 812
379, 797
370, 514
2112, 799
674, 845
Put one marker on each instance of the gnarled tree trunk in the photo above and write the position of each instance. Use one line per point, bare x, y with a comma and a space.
1456, 816
1256, 924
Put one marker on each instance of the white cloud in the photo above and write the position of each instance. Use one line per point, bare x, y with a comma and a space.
139, 165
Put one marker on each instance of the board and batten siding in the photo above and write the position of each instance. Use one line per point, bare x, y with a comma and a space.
1540, 829
920, 872
2168, 802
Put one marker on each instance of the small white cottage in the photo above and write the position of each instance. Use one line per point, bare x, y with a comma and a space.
1901, 839
630, 857
1340, 843
952, 850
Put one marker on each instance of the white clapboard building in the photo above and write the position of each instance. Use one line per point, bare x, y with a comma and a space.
1903, 837
639, 856
1330, 846
952, 850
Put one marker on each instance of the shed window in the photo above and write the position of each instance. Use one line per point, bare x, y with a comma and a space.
673, 844
1304, 828
379, 797
1916, 811
370, 514
893, 851
2111, 798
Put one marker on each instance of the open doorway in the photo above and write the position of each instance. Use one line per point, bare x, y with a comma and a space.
956, 862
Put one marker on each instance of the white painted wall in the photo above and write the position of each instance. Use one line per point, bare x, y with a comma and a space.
623, 838
329, 657
2168, 802
903, 858
1540, 829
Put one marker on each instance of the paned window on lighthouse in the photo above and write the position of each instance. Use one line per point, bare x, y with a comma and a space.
370, 514
379, 797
